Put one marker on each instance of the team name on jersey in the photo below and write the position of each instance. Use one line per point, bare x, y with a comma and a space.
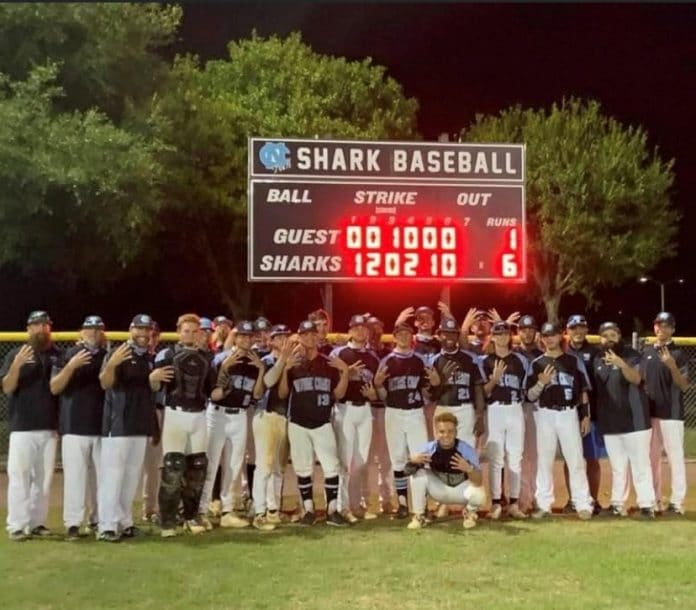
309, 384
404, 382
510, 381
240, 382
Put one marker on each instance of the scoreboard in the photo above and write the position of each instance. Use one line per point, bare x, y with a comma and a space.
340, 211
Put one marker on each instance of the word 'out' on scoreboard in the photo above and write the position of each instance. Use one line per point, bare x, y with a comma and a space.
330, 210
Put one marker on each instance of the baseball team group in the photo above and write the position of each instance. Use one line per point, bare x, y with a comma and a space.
208, 426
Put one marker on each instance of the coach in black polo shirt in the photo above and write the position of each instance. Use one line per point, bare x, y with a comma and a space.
665, 368
33, 420
313, 383
624, 420
76, 379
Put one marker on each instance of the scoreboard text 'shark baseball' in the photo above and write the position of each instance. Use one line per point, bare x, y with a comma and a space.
329, 210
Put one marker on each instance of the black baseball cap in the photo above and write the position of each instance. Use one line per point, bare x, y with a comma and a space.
142, 320
38, 317
424, 310
403, 326
245, 327
500, 327
357, 320
220, 320
576, 320
307, 326
448, 325
527, 321
280, 329
375, 321
155, 327
93, 322
262, 324
550, 328
664, 317
604, 326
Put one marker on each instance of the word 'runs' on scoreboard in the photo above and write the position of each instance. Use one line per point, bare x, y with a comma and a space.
337, 211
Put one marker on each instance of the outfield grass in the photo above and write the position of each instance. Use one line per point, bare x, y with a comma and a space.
564, 563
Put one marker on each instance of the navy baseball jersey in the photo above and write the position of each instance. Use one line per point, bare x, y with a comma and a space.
511, 387
666, 399
311, 398
237, 382
440, 459
567, 384
458, 387
271, 402
406, 380
350, 355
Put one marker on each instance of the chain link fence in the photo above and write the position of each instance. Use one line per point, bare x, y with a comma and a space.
8, 341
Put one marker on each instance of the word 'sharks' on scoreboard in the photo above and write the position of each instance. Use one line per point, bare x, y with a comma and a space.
327, 211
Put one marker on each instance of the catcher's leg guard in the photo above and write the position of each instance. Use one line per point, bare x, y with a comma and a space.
196, 467
171, 487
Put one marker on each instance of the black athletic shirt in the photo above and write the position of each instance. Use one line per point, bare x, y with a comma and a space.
194, 377
511, 386
622, 407
311, 398
586, 353
406, 380
351, 355
82, 400
129, 405
272, 402
666, 399
567, 384
241, 379
458, 388
31, 405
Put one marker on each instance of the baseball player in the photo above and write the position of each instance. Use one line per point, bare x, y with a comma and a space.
665, 369
33, 424
529, 348
400, 381
313, 383
270, 428
592, 443
353, 416
221, 330
239, 384
75, 378
323, 323
129, 414
449, 471
623, 417
186, 375
558, 382
504, 373
204, 336
380, 480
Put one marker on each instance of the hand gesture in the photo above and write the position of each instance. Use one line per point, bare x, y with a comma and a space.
612, 359
122, 353
163, 374
296, 356
459, 463
494, 315
432, 375
255, 360
355, 368
513, 317
666, 357
419, 458
24, 355
381, 376
585, 426
231, 360
448, 369
404, 315
499, 369
368, 391
339, 364
546, 375
80, 359
471, 316
445, 311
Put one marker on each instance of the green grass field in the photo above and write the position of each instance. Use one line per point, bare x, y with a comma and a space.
564, 563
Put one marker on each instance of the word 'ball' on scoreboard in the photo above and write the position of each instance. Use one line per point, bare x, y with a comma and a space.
329, 210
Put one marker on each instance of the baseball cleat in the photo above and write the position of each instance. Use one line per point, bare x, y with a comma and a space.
647, 514
73, 533
40, 530
336, 519
417, 522
614, 511
515, 512
273, 516
194, 527
131, 532
370, 516
470, 519
584, 515
19, 536
309, 518
261, 523
215, 508
672, 511
109, 536
349, 516
540, 514
569, 508
401, 512
205, 522
169, 532
496, 512
232, 520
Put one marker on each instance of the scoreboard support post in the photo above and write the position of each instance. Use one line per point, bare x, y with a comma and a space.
446, 295
327, 299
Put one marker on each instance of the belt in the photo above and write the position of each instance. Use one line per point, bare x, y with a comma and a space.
350, 403
407, 408
230, 410
185, 409
562, 408
464, 404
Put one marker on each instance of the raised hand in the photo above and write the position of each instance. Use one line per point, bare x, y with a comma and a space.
380, 377
448, 369
547, 374
24, 355
419, 458
444, 309
231, 360
513, 317
499, 369
122, 353
432, 375
404, 315
471, 316
666, 357
163, 375
80, 359
368, 391
339, 364
459, 463
255, 360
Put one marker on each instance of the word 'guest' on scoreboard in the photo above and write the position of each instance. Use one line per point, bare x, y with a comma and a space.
337, 211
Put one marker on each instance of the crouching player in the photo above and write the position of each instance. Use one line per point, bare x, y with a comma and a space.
448, 470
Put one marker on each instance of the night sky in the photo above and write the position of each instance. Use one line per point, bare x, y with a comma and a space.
639, 61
